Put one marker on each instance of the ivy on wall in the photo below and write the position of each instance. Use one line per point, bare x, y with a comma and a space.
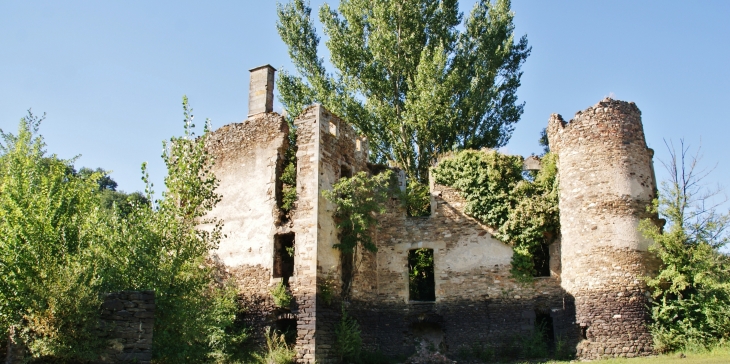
358, 200
522, 207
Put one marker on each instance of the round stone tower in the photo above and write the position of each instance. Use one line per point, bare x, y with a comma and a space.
606, 183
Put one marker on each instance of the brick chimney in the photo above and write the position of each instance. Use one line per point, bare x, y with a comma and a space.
261, 90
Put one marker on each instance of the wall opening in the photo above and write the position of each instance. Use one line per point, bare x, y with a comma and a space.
421, 283
345, 171
283, 255
544, 325
287, 326
541, 260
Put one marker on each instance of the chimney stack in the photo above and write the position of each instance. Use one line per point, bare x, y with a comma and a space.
261, 90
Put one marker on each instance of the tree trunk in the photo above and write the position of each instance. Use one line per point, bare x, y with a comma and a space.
15, 349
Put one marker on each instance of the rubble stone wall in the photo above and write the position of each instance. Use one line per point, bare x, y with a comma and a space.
327, 147
248, 163
477, 300
127, 321
606, 183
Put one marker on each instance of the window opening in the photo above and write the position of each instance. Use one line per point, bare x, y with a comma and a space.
421, 284
541, 261
345, 171
544, 326
284, 255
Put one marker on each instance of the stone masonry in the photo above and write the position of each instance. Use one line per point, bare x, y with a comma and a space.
593, 299
606, 183
127, 320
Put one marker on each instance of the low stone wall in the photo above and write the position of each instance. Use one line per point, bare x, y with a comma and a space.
127, 320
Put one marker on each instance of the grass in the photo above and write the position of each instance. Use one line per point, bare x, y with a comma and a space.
715, 356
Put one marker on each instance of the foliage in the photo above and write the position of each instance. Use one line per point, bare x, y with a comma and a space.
413, 77
357, 202
348, 343
277, 350
691, 292
289, 186
534, 345
417, 199
47, 260
60, 249
421, 275
327, 289
280, 294
524, 213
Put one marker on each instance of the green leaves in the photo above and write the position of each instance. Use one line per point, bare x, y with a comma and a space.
406, 76
358, 200
691, 292
62, 246
525, 214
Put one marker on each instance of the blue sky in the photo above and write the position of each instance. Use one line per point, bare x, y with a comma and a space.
111, 75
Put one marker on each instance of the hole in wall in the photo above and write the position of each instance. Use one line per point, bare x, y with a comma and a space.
544, 325
421, 283
288, 328
345, 171
283, 255
429, 336
541, 260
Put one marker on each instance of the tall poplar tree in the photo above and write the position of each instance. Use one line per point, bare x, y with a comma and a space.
407, 76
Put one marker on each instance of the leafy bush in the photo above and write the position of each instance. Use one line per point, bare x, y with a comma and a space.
289, 187
348, 343
691, 293
277, 350
417, 199
524, 213
357, 202
280, 294
60, 249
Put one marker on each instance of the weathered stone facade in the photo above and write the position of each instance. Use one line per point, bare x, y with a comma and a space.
593, 299
606, 183
127, 320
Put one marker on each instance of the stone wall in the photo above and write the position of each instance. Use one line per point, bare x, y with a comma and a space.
606, 183
477, 300
326, 147
248, 163
127, 320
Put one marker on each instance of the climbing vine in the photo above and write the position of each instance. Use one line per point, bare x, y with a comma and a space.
358, 201
523, 208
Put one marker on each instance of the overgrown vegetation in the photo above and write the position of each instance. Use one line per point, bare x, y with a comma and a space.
416, 199
348, 343
281, 296
277, 350
357, 202
524, 213
417, 78
61, 247
691, 306
421, 275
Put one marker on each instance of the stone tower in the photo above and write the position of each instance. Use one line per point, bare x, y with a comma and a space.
606, 183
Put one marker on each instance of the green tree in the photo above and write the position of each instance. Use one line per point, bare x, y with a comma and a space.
406, 76
50, 281
60, 250
691, 293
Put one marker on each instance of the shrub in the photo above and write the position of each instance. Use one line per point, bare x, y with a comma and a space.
280, 294
348, 343
277, 350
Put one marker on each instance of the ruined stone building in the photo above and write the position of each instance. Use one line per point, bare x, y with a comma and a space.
592, 298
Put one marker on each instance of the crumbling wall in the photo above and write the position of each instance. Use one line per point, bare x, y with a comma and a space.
127, 321
326, 147
477, 300
248, 158
606, 183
